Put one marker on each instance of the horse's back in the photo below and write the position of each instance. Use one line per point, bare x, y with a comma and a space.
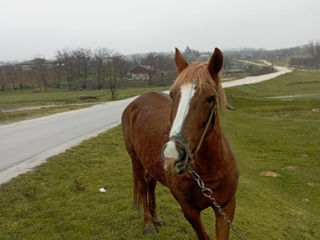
147, 114
149, 107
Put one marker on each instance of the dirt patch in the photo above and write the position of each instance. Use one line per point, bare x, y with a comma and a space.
88, 98
292, 167
304, 155
269, 174
314, 184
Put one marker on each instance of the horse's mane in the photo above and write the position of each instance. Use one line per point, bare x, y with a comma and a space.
198, 73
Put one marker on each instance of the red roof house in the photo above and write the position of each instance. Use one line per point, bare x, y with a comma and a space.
142, 72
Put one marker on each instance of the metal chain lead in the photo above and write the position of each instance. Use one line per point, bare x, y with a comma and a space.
208, 193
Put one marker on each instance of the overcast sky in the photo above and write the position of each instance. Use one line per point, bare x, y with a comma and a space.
30, 28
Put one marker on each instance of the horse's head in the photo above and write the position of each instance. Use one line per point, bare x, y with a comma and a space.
195, 95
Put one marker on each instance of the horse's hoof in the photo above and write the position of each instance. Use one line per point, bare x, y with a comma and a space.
157, 221
150, 229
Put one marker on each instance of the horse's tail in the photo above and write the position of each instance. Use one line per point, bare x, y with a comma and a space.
138, 180
137, 168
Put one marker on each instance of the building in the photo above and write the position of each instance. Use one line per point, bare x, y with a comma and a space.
35, 63
142, 72
234, 68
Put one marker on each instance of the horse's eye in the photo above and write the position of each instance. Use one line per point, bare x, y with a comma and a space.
211, 99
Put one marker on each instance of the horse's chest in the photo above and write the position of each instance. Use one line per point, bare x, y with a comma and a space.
190, 193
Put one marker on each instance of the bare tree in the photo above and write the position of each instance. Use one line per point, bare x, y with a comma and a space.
311, 50
115, 70
59, 68
20, 76
165, 64
124, 65
41, 70
100, 58
2, 79
86, 58
10, 73
82, 58
29, 77
317, 53
150, 60
136, 59
77, 59
67, 65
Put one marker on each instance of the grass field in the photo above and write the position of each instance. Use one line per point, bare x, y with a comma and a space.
64, 100
60, 199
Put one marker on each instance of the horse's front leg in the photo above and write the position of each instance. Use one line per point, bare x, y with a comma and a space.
222, 227
193, 216
156, 219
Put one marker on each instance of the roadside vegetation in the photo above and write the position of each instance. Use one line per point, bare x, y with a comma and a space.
274, 128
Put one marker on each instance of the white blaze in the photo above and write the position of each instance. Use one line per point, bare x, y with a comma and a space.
186, 93
170, 150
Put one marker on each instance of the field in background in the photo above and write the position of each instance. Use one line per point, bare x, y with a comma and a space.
34, 97
54, 101
274, 127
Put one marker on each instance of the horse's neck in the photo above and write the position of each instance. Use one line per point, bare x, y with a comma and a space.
212, 156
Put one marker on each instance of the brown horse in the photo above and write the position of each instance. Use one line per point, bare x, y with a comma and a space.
164, 134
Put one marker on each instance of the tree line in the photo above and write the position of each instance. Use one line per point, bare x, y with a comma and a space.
104, 68
307, 56
304, 56
84, 69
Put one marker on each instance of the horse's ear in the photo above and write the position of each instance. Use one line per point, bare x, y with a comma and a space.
215, 63
181, 64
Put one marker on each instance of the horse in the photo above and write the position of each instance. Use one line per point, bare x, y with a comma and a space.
165, 134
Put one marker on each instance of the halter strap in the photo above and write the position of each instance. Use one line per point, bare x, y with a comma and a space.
204, 131
178, 137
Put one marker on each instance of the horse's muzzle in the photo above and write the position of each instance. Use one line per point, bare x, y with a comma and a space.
175, 157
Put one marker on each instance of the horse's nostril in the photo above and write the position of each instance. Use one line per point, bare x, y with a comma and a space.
182, 154
181, 171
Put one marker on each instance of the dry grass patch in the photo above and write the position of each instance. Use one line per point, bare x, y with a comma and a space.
269, 174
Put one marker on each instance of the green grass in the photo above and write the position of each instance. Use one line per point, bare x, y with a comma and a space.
60, 199
270, 134
11, 99
35, 97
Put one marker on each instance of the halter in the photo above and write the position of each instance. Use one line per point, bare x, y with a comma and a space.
178, 137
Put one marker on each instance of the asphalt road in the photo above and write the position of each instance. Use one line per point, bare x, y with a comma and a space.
26, 144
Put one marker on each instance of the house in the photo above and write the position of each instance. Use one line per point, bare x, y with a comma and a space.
142, 72
34, 63
234, 68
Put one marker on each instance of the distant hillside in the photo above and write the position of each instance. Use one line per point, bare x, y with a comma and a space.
2, 63
304, 56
